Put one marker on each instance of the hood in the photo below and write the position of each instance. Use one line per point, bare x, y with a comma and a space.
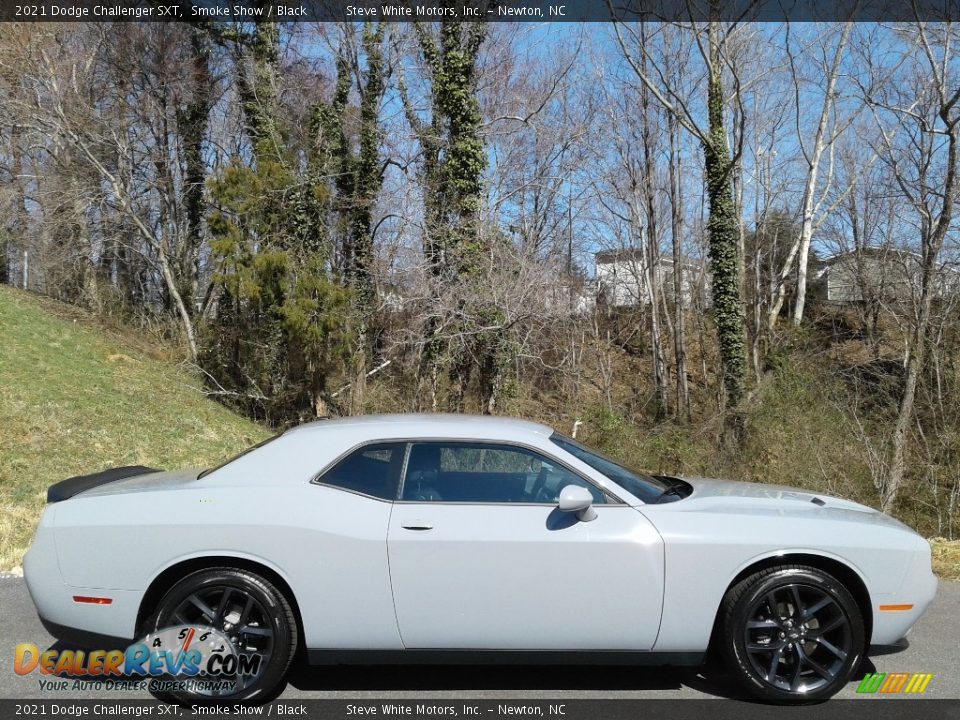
714, 488
745, 497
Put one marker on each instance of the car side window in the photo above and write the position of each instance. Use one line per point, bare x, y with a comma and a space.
486, 473
371, 470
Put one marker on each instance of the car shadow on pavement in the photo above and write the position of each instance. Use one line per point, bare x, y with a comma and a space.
304, 677
608, 678
706, 679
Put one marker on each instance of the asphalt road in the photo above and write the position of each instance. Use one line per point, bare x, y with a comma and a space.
934, 647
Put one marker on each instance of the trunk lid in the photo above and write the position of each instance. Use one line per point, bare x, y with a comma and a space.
135, 478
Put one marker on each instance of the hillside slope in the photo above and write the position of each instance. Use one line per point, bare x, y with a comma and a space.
75, 398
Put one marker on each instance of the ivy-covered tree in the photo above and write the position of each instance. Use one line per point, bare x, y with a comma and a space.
723, 223
723, 226
193, 120
453, 163
356, 163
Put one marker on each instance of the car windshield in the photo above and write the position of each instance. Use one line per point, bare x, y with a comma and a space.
647, 488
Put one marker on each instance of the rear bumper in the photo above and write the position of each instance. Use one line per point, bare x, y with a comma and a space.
54, 599
84, 638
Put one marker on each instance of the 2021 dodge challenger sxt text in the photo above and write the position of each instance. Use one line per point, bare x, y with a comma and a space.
415, 537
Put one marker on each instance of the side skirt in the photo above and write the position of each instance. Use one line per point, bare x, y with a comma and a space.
500, 657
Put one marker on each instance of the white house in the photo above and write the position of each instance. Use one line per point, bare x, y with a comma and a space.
881, 274
622, 278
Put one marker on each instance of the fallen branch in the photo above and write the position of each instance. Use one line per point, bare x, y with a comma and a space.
377, 369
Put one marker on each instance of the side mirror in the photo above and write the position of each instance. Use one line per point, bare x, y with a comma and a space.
576, 499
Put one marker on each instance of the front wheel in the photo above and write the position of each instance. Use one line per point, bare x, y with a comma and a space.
241, 629
791, 634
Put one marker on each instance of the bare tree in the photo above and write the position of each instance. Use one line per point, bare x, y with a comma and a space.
920, 150
712, 39
63, 105
827, 130
679, 272
630, 189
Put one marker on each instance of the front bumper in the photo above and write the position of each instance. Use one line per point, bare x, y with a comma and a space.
918, 588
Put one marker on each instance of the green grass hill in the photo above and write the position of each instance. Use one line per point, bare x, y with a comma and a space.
76, 398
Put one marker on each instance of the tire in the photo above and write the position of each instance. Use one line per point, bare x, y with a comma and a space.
791, 634
263, 624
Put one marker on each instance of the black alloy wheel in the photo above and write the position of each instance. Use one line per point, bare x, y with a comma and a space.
246, 610
792, 634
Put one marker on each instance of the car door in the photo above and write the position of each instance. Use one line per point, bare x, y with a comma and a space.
482, 558
341, 566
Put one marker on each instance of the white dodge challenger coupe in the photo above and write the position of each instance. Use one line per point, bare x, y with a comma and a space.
435, 538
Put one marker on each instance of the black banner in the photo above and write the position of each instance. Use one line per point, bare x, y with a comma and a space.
475, 10
874, 708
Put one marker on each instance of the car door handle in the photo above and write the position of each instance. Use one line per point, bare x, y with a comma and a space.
417, 525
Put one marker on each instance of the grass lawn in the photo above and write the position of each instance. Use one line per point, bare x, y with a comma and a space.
76, 398
946, 558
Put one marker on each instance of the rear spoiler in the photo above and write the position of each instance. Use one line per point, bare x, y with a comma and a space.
66, 489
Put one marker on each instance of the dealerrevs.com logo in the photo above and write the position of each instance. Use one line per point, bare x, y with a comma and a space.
184, 657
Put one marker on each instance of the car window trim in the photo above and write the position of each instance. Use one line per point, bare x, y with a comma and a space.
403, 470
352, 492
617, 501
408, 443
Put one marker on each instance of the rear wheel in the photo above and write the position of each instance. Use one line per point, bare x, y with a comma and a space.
791, 634
252, 618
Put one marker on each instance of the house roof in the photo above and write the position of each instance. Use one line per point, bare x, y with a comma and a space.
605, 257
883, 253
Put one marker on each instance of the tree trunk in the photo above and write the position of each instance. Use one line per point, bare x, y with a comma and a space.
809, 191
181, 308
802, 244
258, 91
193, 123
897, 468
452, 176
724, 234
652, 266
18, 227
679, 321
367, 180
